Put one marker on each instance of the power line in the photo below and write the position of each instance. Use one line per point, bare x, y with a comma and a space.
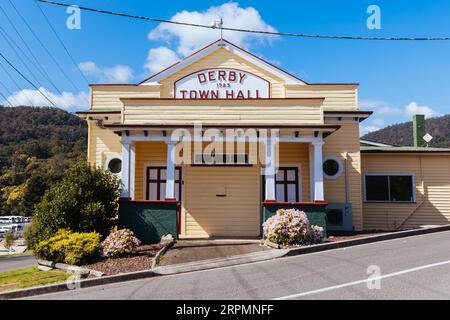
7, 92
286, 34
2, 33
16, 84
26, 79
6, 99
44, 47
61, 42
37, 63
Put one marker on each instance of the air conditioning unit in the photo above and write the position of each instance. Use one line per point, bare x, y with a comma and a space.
339, 217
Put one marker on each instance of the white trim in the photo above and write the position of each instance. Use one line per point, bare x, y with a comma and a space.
340, 170
170, 171
346, 115
318, 171
375, 144
143, 138
270, 171
132, 170
110, 156
125, 176
287, 78
311, 172
297, 165
413, 175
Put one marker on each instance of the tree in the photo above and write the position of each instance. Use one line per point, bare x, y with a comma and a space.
84, 201
8, 240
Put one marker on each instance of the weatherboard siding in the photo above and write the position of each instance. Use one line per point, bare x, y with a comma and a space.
337, 97
236, 214
345, 140
101, 142
297, 154
432, 188
223, 58
247, 112
108, 97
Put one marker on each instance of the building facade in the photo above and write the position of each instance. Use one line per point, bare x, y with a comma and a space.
215, 143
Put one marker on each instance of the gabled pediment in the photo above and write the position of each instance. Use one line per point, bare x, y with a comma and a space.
224, 50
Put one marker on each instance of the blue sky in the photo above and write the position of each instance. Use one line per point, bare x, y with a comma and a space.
396, 78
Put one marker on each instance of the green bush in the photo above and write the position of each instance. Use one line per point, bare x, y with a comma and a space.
84, 201
69, 247
8, 240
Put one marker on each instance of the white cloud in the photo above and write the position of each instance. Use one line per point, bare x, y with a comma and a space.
413, 108
67, 100
380, 107
160, 58
383, 108
366, 129
190, 39
378, 122
116, 74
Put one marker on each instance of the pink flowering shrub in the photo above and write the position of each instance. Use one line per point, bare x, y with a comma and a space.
290, 226
120, 243
314, 235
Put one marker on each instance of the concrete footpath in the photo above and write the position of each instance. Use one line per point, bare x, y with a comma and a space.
223, 262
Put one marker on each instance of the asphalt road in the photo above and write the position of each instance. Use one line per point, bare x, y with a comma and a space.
17, 262
410, 268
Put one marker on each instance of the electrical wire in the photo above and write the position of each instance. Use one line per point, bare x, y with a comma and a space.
61, 42
44, 47
2, 33
8, 92
272, 33
26, 79
36, 63
16, 84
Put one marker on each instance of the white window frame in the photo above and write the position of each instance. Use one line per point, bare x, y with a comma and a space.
299, 177
413, 175
341, 168
110, 156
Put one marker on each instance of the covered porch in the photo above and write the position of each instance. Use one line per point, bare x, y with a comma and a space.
162, 195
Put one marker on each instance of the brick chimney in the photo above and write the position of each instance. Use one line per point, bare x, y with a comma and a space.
419, 130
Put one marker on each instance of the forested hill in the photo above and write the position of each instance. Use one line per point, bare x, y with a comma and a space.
36, 146
402, 134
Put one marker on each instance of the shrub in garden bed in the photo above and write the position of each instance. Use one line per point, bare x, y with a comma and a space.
69, 247
84, 201
120, 243
291, 227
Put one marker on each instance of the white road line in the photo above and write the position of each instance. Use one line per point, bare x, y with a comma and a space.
348, 284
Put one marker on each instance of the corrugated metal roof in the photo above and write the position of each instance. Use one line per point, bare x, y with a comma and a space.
372, 149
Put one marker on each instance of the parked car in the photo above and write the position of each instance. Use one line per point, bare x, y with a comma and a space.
16, 227
7, 219
7, 228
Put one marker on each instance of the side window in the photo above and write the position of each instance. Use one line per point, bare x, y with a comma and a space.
286, 185
156, 183
389, 188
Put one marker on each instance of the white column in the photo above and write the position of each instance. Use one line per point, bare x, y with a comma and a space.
311, 172
318, 171
170, 172
132, 169
269, 171
125, 179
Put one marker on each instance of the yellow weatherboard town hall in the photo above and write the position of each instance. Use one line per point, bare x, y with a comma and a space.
323, 168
